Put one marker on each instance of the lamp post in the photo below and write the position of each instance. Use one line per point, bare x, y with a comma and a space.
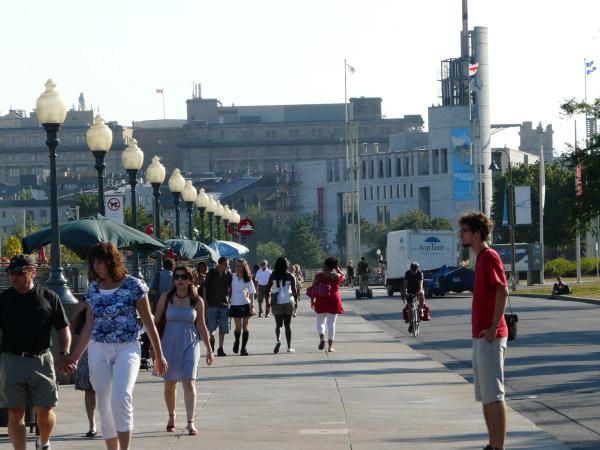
511, 218
542, 176
201, 203
155, 173
226, 218
218, 215
210, 209
133, 159
189, 197
236, 223
51, 111
176, 186
99, 139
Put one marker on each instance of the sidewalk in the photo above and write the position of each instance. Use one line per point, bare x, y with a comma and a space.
374, 393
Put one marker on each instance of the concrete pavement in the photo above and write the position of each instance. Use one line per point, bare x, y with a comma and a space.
374, 393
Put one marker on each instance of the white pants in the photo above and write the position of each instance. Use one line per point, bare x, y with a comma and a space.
113, 371
329, 320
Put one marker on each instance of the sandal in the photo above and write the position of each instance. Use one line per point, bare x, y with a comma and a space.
171, 426
192, 431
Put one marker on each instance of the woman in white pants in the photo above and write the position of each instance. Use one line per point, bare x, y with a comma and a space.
328, 306
115, 300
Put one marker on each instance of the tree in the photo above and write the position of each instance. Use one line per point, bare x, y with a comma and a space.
302, 245
269, 251
587, 204
24, 194
317, 229
558, 211
144, 218
12, 246
88, 204
265, 228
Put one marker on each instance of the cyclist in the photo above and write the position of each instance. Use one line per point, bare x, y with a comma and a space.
413, 285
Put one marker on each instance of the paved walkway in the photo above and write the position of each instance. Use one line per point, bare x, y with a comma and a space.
374, 393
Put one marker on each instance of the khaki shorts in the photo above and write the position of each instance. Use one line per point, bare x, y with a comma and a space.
488, 370
27, 381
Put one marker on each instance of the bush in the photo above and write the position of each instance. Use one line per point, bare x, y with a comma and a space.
588, 265
560, 266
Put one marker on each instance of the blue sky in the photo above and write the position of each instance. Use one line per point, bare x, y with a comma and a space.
281, 51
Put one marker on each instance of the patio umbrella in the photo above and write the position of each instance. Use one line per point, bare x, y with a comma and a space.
192, 249
81, 235
229, 249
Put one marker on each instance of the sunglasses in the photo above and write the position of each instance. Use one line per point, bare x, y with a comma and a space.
181, 276
16, 273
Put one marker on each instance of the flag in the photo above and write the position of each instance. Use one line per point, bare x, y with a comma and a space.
578, 181
505, 212
589, 63
589, 71
160, 91
473, 69
349, 68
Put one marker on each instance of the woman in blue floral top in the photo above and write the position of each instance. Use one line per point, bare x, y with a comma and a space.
115, 300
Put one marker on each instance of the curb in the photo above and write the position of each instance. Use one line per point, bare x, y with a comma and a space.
566, 298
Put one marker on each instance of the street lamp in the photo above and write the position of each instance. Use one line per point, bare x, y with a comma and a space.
236, 223
218, 215
155, 173
511, 218
176, 186
210, 209
99, 139
542, 176
133, 159
51, 111
226, 218
202, 201
189, 197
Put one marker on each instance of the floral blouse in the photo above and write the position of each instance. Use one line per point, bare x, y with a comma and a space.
115, 314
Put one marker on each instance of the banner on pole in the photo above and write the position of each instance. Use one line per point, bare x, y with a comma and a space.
523, 205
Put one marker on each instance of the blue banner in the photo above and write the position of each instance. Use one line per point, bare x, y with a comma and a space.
462, 171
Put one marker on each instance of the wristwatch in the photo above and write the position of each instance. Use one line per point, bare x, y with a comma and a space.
65, 353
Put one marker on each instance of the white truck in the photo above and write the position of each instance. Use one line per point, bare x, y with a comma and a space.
430, 248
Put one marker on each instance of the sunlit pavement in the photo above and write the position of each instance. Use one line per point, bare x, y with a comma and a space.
373, 393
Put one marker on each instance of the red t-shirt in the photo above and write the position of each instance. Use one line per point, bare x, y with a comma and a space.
489, 273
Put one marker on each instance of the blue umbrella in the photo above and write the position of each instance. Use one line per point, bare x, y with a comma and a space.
229, 249
191, 249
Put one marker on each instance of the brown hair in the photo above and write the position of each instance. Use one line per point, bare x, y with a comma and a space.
191, 293
246, 274
477, 222
331, 262
109, 254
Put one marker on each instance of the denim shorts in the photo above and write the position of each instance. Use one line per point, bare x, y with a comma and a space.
217, 316
26, 379
488, 370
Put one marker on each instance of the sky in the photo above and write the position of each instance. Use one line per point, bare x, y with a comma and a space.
260, 52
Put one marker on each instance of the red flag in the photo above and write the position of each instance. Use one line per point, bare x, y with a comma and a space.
578, 182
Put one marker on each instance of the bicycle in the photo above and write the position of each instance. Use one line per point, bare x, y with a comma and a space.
414, 316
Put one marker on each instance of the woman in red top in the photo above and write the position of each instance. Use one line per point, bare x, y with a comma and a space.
328, 308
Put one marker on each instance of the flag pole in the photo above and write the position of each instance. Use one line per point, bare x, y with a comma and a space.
578, 187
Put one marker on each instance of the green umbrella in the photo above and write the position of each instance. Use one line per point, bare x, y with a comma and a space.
191, 249
81, 235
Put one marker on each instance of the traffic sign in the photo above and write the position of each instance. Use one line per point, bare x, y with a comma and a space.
246, 227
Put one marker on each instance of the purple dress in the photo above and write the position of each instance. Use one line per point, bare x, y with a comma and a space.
181, 343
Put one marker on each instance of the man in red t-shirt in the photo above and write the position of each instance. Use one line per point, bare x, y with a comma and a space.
490, 333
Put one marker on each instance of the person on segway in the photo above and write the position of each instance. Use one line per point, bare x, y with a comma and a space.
413, 286
363, 275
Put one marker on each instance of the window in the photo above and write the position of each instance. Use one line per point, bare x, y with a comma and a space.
336, 170
377, 192
294, 133
383, 215
371, 168
364, 193
404, 191
371, 192
329, 170
411, 190
443, 160
363, 170
397, 191
435, 162
384, 193
388, 168
381, 171
405, 166
398, 167
391, 191
423, 158
316, 132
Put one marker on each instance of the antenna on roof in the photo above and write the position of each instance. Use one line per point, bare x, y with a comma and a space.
464, 38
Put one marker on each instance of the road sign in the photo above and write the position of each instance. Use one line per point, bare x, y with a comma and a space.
113, 206
246, 227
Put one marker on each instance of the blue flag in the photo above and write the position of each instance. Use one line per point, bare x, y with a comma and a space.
505, 215
589, 63
589, 71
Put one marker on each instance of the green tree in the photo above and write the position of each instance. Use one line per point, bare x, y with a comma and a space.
558, 212
12, 246
144, 218
266, 229
24, 194
88, 204
269, 251
302, 246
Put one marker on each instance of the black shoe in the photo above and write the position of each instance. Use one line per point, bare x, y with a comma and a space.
321, 345
410, 328
276, 349
220, 352
244, 352
91, 434
236, 346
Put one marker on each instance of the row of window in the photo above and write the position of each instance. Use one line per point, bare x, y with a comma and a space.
30, 214
388, 192
303, 132
33, 141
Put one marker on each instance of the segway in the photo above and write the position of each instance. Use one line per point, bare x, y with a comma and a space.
363, 287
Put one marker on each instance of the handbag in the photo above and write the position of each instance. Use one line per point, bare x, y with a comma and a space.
319, 290
511, 322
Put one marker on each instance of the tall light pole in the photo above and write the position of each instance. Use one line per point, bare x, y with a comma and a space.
202, 201
99, 139
226, 219
176, 186
236, 225
511, 218
542, 177
210, 209
218, 215
189, 197
155, 174
52, 111
133, 160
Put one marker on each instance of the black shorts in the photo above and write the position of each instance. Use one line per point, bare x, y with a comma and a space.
239, 310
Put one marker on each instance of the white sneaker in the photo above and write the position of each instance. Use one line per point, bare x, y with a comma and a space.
38, 445
291, 350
